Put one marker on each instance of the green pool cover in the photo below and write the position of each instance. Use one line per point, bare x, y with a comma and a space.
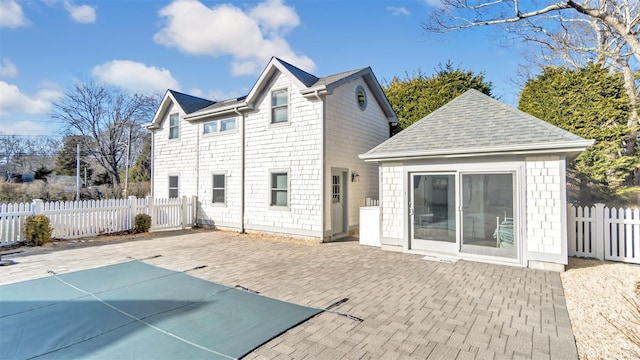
137, 311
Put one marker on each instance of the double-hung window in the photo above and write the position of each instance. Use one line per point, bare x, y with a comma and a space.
173, 186
174, 126
219, 186
279, 188
279, 106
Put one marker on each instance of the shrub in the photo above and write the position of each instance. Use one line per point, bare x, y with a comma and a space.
37, 230
142, 223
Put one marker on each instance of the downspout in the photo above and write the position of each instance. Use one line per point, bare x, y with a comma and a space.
153, 147
242, 138
324, 165
195, 221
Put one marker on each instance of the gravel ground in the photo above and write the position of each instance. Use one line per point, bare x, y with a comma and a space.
603, 300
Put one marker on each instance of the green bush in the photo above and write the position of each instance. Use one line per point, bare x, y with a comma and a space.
37, 230
142, 223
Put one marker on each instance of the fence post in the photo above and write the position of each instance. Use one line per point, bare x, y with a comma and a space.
194, 211
36, 206
183, 213
151, 211
133, 210
598, 233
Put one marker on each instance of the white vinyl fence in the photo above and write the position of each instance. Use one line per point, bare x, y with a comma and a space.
73, 219
604, 233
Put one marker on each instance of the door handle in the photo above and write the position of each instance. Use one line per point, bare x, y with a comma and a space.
410, 209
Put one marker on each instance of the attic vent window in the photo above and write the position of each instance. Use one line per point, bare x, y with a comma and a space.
361, 97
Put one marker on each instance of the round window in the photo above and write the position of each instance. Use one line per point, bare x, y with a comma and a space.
361, 97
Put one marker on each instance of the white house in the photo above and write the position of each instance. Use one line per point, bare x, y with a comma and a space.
282, 159
477, 179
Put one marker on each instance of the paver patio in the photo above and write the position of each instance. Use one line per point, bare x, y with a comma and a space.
410, 307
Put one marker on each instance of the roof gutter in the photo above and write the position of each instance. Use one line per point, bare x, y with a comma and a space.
577, 146
219, 111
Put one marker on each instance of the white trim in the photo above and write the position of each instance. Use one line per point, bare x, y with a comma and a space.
517, 149
287, 89
178, 126
224, 203
169, 176
219, 130
270, 182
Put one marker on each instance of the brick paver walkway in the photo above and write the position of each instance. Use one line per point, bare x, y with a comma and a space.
411, 308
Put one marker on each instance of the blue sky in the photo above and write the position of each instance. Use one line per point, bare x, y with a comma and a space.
217, 49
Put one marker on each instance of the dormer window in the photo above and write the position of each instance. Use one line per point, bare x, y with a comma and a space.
279, 106
174, 126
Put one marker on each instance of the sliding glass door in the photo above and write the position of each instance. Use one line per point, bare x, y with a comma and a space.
487, 214
464, 212
433, 212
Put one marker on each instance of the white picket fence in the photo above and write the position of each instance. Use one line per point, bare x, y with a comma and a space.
604, 233
74, 219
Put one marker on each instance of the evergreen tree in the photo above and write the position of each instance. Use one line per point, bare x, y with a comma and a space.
416, 97
592, 103
141, 170
66, 159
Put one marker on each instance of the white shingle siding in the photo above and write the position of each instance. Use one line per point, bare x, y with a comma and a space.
174, 157
351, 131
545, 194
295, 146
220, 154
392, 201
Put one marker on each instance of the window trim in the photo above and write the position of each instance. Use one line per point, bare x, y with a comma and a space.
271, 107
174, 126
219, 130
177, 188
359, 89
213, 188
273, 172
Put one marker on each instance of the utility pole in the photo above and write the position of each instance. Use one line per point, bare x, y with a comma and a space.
126, 173
77, 171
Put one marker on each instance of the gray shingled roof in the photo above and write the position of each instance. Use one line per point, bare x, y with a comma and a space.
304, 77
190, 103
473, 123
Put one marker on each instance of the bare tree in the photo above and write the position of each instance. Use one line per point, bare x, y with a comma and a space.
103, 116
569, 32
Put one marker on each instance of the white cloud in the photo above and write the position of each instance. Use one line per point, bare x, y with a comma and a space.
395, 11
8, 69
82, 13
11, 14
216, 95
24, 127
251, 37
14, 101
434, 3
135, 76
275, 17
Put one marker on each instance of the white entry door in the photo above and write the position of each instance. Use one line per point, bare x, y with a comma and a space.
338, 202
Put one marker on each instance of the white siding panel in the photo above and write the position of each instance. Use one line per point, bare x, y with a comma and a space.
351, 131
296, 147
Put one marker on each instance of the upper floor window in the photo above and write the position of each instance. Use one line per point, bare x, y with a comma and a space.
210, 127
279, 106
173, 186
227, 124
217, 126
174, 126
